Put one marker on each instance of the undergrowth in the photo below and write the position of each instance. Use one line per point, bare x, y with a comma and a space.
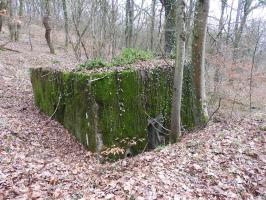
127, 56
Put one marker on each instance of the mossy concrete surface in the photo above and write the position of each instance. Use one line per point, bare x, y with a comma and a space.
103, 109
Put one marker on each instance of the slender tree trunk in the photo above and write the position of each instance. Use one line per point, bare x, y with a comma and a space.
113, 28
217, 75
66, 22
129, 22
252, 66
152, 23
241, 18
3, 5
198, 60
48, 29
178, 76
21, 7
229, 23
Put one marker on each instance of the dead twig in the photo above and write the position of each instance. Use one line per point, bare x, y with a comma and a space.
2, 47
215, 111
59, 99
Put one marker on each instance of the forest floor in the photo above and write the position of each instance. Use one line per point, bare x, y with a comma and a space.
39, 159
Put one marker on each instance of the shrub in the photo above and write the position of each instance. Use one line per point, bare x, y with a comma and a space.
127, 56
91, 64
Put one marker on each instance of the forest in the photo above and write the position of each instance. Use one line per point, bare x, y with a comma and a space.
132, 99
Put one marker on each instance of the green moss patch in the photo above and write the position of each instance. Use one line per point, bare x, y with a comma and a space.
111, 109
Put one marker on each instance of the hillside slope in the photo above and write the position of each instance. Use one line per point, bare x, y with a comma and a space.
39, 158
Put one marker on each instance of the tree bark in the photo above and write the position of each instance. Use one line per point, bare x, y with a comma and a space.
152, 23
129, 22
48, 29
170, 24
66, 22
3, 5
178, 76
189, 23
113, 28
198, 60
21, 5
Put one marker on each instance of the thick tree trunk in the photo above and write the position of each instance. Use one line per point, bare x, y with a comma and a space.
14, 24
198, 60
170, 24
66, 22
48, 29
178, 76
129, 22
189, 23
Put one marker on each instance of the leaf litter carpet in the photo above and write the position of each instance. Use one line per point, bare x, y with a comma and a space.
39, 159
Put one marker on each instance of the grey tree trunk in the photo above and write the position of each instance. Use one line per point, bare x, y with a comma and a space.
217, 74
66, 22
198, 60
3, 5
229, 24
152, 23
178, 76
243, 10
14, 24
21, 7
113, 28
129, 22
189, 23
47, 26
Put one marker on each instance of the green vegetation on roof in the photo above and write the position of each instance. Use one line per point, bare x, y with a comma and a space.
127, 56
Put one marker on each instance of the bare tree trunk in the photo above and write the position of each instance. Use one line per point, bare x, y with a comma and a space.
178, 76
229, 23
48, 29
21, 5
252, 66
113, 28
3, 5
66, 22
152, 23
129, 22
189, 23
217, 75
14, 24
241, 19
103, 27
198, 60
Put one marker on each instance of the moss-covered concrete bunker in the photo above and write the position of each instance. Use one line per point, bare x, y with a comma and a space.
106, 109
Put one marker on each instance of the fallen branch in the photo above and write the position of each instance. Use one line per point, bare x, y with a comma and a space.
2, 47
97, 79
166, 129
